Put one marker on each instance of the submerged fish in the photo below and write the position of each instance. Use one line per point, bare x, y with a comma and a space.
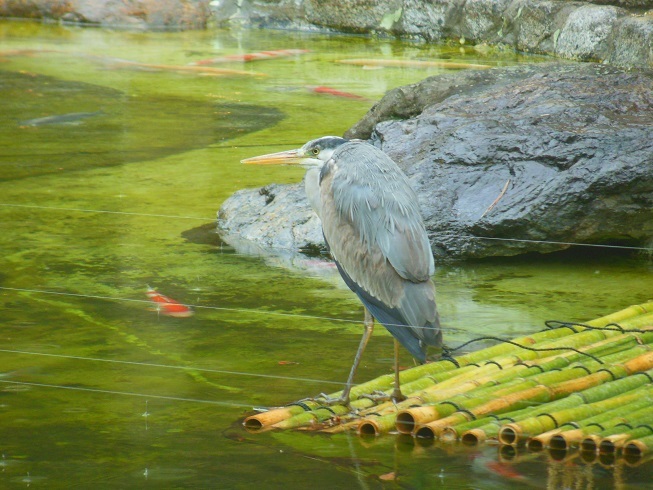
246, 57
70, 118
450, 65
168, 306
201, 70
320, 89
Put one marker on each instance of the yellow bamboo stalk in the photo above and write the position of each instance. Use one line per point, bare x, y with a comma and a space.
566, 439
413, 64
257, 422
634, 316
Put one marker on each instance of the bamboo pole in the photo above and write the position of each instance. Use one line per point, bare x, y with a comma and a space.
570, 437
408, 419
548, 421
612, 443
636, 449
543, 393
547, 424
431, 378
449, 65
259, 421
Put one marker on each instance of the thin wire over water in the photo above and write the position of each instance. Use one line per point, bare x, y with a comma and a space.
169, 366
127, 393
451, 235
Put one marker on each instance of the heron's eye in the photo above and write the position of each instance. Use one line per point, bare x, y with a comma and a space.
315, 151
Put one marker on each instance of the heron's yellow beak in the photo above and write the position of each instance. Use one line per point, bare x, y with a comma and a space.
290, 157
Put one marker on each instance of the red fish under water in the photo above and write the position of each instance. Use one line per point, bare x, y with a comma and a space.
246, 57
168, 306
320, 89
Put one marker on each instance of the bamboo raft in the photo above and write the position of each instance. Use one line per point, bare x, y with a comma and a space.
586, 386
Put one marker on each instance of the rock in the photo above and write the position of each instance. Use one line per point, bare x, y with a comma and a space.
506, 162
614, 30
142, 14
274, 217
585, 33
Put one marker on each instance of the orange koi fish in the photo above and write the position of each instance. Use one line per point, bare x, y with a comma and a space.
247, 57
320, 89
168, 306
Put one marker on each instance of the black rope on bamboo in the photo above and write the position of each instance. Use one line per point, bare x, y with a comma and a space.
551, 325
458, 408
537, 366
469, 413
585, 368
300, 404
647, 426
611, 327
328, 409
644, 373
614, 378
494, 362
551, 417
446, 356
534, 349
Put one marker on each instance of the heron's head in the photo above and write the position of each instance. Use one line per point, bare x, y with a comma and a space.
313, 154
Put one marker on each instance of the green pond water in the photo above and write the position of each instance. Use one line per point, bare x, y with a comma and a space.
122, 192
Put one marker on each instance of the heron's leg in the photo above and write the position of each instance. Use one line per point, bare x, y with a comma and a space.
397, 395
367, 333
344, 398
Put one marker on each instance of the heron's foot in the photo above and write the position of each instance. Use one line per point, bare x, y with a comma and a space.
397, 396
377, 396
331, 400
381, 396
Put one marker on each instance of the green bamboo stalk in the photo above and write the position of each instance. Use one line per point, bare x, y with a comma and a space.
424, 415
413, 417
541, 393
442, 371
611, 443
313, 417
478, 435
549, 420
548, 338
623, 316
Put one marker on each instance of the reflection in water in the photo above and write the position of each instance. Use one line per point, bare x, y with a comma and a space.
126, 129
96, 208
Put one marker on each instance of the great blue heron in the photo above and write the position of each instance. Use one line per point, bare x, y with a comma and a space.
373, 227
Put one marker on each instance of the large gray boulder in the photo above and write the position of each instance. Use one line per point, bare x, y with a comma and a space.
504, 161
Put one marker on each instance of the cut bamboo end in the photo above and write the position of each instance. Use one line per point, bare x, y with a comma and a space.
590, 444
449, 434
611, 444
510, 434
566, 439
258, 422
368, 428
539, 443
410, 418
424, 432
376, 426
473, 437
634, 450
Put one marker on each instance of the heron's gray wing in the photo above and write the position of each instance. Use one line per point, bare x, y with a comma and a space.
372, 193
372, 224
391, 318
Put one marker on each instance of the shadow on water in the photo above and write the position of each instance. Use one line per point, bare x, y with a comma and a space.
87, 126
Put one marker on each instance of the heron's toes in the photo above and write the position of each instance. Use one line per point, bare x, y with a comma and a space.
330, 400
377, 396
